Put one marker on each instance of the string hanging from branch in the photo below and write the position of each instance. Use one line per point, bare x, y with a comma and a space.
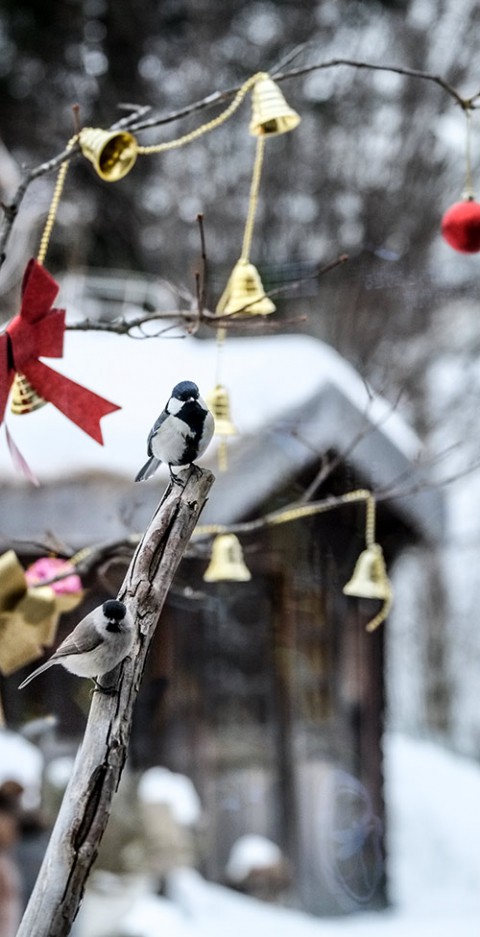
244, 293
460, 225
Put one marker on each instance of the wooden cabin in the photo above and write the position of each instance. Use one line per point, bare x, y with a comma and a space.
268, 693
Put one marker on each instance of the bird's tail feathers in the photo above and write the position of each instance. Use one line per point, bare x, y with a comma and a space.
148, 469
45, 666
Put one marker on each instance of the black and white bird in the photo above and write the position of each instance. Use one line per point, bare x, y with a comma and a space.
182, 432
96, 645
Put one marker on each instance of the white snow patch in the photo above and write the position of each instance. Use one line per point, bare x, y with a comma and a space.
22, 762
434, 831
250, 853
58, 771
161, 786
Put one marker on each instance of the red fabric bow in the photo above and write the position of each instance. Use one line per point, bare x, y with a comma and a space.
38, 332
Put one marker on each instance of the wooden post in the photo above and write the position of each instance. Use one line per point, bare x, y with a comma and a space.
86, 804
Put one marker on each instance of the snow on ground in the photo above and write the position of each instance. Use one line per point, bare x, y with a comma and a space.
159, 785
21, 761
434, 869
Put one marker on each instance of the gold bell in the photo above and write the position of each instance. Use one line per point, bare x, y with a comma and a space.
370, 580
219, 403
226, 562
244, 293
24, 397
112, 152
271, 115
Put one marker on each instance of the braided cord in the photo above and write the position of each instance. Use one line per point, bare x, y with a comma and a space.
205, 128
52, 212
253, 199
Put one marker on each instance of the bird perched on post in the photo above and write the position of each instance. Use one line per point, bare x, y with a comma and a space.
182, 432
96, 645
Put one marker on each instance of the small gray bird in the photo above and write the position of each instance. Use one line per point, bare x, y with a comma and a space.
96, 645
182, 432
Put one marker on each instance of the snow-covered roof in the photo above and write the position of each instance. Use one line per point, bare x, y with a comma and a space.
264, 377
292, 398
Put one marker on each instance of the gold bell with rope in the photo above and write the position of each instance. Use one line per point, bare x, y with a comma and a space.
24, 397
226, 561
112, 152
271, 115
219, 404
370, 581
244, 293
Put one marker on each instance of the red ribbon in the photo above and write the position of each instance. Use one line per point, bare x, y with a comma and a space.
36, 332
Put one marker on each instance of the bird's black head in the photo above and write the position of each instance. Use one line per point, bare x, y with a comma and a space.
114, 610
186, 390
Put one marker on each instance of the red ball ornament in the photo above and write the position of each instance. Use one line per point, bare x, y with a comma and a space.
461, 226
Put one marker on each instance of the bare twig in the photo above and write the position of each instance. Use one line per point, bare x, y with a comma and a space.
465, 103
190, 319
121, 326
77, 126
330, 465
201, 275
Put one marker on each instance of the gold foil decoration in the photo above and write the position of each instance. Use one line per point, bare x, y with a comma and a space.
28, 615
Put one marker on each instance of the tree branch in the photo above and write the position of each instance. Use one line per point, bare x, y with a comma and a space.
191, 319
136, 121
86, 805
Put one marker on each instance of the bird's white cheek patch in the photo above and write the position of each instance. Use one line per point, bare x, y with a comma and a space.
174, 405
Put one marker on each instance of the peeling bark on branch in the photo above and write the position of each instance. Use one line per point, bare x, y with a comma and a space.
86, 805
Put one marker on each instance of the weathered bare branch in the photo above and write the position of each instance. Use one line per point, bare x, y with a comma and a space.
86, 805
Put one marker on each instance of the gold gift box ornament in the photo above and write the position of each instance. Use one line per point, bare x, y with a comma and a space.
29, 611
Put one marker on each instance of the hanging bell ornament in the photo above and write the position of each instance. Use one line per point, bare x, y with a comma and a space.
219, 404
369, 580
112, 152
271, 115
226, 562
24, 397
244, 293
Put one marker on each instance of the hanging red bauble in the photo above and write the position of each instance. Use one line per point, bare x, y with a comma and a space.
461, 226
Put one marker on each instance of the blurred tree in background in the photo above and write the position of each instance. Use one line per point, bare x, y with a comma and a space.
376, 160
